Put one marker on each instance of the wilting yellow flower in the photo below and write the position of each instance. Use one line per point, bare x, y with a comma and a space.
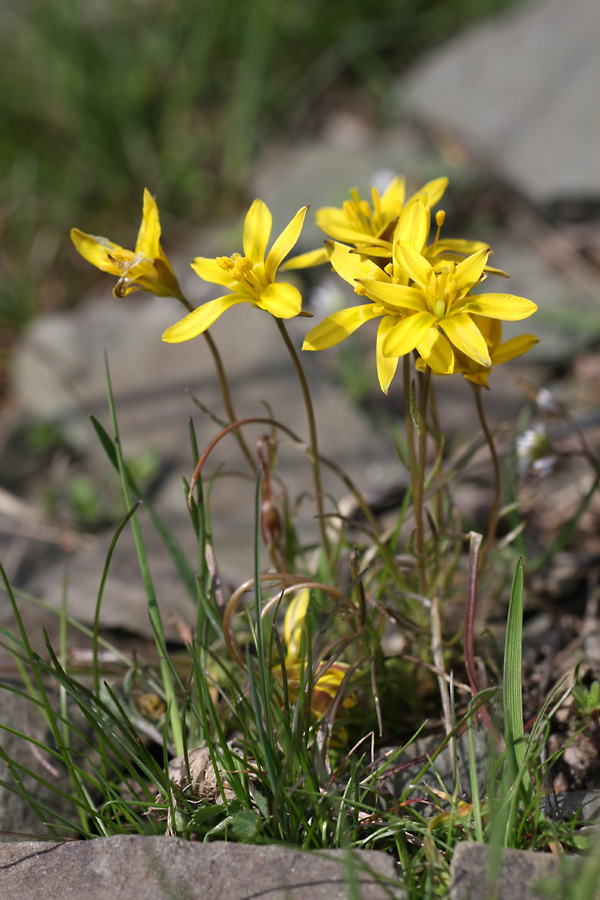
329, 676
368, 228
491, 329
144, 269
250, 278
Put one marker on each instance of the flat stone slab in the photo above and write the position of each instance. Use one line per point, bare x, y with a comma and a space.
522, 91
164, 868
515, 874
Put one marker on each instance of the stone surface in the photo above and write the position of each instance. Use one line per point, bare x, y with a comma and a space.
322, 171
522, 90
514, 874
168, 868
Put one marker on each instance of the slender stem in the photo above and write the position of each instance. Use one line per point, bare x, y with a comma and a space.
312, 430
437, 435
469, 631
419, 481
493, 520
224, 385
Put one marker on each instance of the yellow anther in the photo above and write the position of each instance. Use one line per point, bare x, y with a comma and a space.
238, 266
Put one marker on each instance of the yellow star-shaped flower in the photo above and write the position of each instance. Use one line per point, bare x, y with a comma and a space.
250, 277
420, 305
368, 226
144, 269
440, 308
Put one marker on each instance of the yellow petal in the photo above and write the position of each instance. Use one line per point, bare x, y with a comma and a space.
350, 266
98, 251
396, 296
407, 333
282, 300
514, 347
209, 270
491, 330
200, 319
306, 260
386, 365
468, 273
499, 306
338, 326
293, 625
148, 239
392, 199
415, 265
257, 231
458, 246
284, 243
480, 377
333, 222
432, 192
435, 350
462, 331
413, 225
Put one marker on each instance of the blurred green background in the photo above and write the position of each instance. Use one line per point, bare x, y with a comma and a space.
101, 98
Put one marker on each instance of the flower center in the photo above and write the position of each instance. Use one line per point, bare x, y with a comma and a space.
442, 291
237, 266
242, 271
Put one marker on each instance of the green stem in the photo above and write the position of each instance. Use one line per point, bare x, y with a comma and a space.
312, 430
419, 486
494, 512
224, 385
415, 476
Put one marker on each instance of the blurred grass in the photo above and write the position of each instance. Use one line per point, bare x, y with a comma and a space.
101, 98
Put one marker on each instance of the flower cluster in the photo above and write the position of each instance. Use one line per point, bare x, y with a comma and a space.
418, 285
420, 290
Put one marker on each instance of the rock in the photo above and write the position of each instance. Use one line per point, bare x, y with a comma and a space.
163, 868
517, 874
321, 172
521, 90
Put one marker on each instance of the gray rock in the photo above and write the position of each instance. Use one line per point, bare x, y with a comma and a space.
322, 171
522, 91
168, 868
442, 770
585, 804
514, 874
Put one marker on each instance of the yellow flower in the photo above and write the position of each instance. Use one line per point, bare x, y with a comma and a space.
144, 269
250, 278
433, 315
439, 308
369, 228
491, 329
328, 676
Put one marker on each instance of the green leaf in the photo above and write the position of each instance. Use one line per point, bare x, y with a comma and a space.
246, 825
513, 692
